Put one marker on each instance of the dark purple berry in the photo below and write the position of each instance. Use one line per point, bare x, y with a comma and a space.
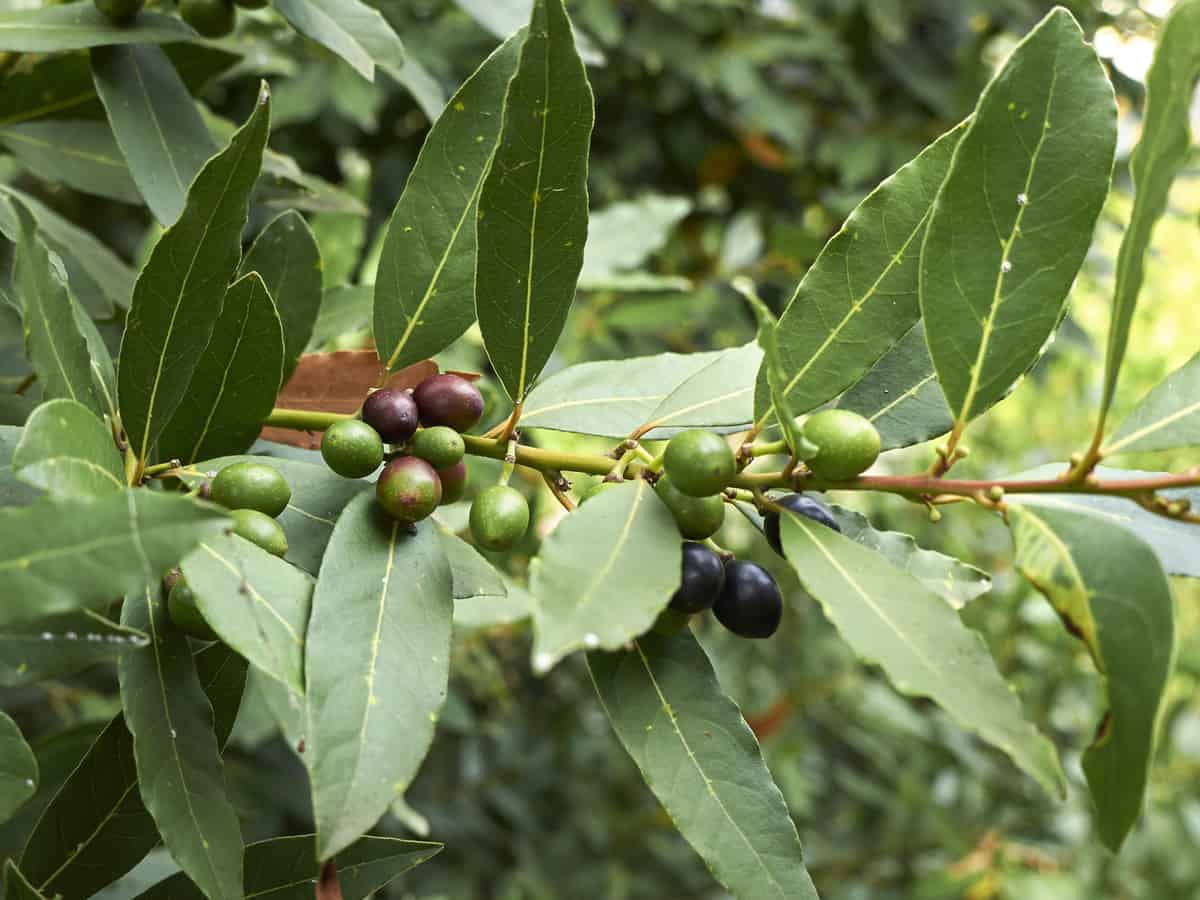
454, 482
701, 581
393, 413
750, 604
449, 400
801, 505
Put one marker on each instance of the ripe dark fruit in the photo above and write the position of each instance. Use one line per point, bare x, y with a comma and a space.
454, 482
701, 581
211, 18
696, 517
499, 517
120, 11
439, 446
699, 462
185, 615
801, 505
260, 529
409, 489
847, 444
750, 604
251, 485
393, 413
449, 400
352, 448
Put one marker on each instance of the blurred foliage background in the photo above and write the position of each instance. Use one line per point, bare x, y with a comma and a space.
733, 136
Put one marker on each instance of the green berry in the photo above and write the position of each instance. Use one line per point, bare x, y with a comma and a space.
408, 489
696, 517
700, 463
454, 482
120, 11
499, 517
439, 446
352, 448
251, 485
847, 444
211, 18
186, 615
252, 4
260, 529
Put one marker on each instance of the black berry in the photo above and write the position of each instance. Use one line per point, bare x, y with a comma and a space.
702, 577
802, 505
750, 604
393, 413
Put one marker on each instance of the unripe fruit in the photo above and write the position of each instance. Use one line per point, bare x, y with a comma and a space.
454, 482
352, 448
439, 446
702, 577
750, 604
699, 462
251, 485
408, 489
696, 517
847, 444
393, 413
499, 517
211, 18
120, 11
260, 529
185, 614
252, 4
801, 505
449, 400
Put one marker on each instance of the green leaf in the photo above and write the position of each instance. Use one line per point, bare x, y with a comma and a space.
96, 828
16, 886
1111, 593
901, 396
177, 297
180, 775
155, 123
623, 236
669, 391
503, 17
891, 619
61, 555
12, 491
286, 257
859, 298
344, 309
318, 498
236, 381
67, 452
482, 596
257, 603
1014, 217
56, 349
701, 760
953, 579
284, 868
61, 645
1164, 148
604, 574
80, 155
75, 26
352, 30
1167, 418
18, 769
425, 286
1172, 540
533, 207
376, 666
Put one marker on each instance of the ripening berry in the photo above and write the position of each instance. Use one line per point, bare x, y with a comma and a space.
700, 463
352, 448
251, 485
847, 444
449, 400
454, 482
393, 413
409, 489
750, 604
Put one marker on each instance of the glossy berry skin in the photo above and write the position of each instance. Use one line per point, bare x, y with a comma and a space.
700, 463
696, 517
261, 530
251, 485
211, 18
701, 581
185, 614
408, 489
449, 400
750, 604
352, 448
120, 11
393, 413
439, 446
454, 482
801, 505
847, 444
499, 517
